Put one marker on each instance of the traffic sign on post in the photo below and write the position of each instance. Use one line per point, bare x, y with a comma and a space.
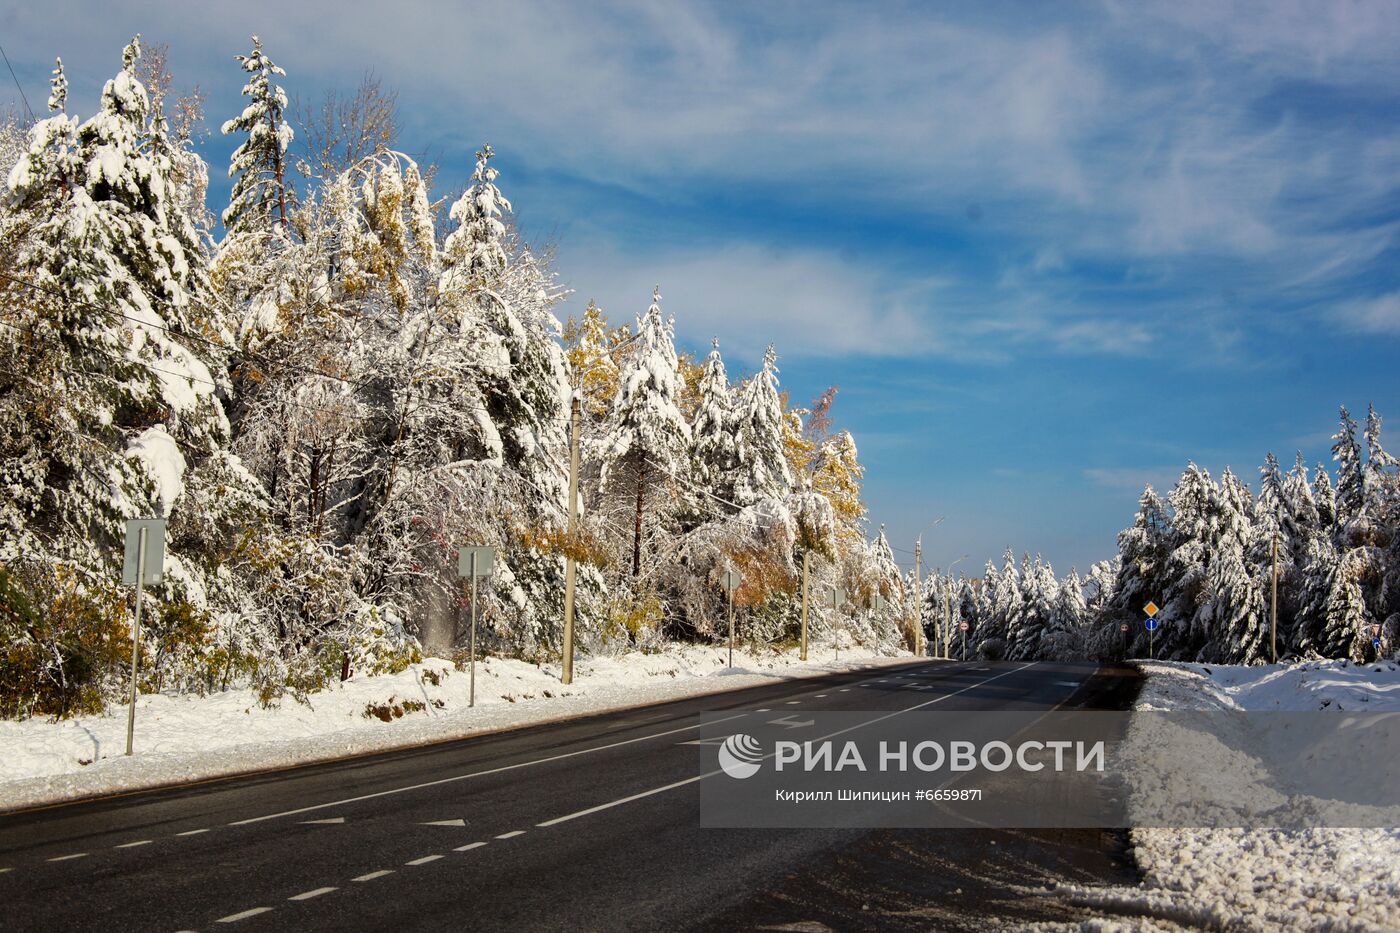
473, 563
1152, 625
730, 580
154, 550
964, 626
145, 559
1151, 609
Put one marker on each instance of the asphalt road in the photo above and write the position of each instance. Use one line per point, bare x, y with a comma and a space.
587, 824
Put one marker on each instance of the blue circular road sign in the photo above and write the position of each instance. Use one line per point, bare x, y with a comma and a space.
1152, 625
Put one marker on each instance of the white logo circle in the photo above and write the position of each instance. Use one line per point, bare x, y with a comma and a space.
740, 755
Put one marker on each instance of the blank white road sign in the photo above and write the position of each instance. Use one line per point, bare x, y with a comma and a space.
485, 557
155, 549
730, 580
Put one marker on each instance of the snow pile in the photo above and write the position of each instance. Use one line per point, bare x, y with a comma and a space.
1339, 879
182, 737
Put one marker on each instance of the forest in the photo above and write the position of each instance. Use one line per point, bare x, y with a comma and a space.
342, 376
335, 383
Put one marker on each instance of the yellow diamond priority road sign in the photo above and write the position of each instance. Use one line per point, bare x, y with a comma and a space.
1151, 609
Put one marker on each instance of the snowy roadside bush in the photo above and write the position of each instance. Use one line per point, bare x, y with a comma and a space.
64, 641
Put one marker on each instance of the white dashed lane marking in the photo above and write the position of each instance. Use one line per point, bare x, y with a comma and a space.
196, 832
308, 895
469, 846
512, 834
64, 858
132, 845
374, 874
424, 860
244, 915
793, 702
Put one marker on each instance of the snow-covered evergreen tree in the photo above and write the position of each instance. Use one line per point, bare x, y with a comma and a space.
58, 89
761, 470
1351, 484
643, 452
259, 164
713, 451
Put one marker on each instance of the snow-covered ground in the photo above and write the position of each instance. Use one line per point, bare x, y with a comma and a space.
1334, 879
181, 738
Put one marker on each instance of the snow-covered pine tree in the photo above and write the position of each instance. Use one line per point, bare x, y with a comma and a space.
1039, 593
1235, 611
885, 581
1379, 477
523, 381
1325, 496
1143, 552
259, 164
761, 470
1064, 635
1197, 524
1003, 608
713, 452
643, 450
1351, 484
112, 412
58, 89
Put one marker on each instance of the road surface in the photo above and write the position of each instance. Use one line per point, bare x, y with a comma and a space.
586, 824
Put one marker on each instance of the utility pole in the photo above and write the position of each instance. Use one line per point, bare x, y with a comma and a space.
1273, 605
918, 597
806, 558
570, 570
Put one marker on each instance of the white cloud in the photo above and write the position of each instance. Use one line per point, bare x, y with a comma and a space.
1133, 479
805, 302
1374, 316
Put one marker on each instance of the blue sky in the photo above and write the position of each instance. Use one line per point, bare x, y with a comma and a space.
1048, 252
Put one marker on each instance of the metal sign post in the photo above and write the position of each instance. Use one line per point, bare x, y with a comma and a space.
474, 562
1152, 609
730, 581
144, 561
963, 627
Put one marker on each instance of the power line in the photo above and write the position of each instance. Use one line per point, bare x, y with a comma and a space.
18, 87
